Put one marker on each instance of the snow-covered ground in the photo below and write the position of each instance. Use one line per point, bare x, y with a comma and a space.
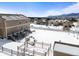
47, 27
51, 36
9, 44
46, 36
3, 54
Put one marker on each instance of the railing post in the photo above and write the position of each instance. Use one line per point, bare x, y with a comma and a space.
48, 51
50, 45
11, 52
27, 44
24, 51
53, 48
17, 51
45, 53
33, 52
2, 48
42, 44
77, 36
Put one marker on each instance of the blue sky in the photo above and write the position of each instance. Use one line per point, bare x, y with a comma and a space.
39, 8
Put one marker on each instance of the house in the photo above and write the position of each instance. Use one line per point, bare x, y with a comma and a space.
67, 25
76, 23
51, 22
10, 23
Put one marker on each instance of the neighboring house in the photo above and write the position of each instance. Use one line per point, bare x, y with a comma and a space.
10, 23
51, 22
77, 23
67, 25
56, 23
43, 21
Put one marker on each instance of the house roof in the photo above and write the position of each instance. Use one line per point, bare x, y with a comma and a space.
66, 48
12, 16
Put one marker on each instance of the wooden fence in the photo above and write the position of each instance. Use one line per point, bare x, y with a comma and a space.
8, 51
33, 52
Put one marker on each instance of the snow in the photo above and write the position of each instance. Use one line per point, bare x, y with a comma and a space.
3, 54
9, 44
47, 27
67, 49
46, 36
51, 36
75, 28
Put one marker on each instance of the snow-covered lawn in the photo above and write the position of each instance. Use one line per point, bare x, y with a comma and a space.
47, 27
51, 36
9, 44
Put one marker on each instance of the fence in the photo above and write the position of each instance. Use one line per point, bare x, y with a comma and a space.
25, 49
29, 52
8, 51
52, 29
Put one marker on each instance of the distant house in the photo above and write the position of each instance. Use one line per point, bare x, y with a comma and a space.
41, 21
10, 23
31, 19
51, 22
67, 25
56, 23
77, 23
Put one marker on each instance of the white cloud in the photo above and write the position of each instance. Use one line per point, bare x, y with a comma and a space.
53, 12
70, 9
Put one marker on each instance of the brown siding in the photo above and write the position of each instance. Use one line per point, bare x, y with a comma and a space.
11, 23
15, 22
2, 27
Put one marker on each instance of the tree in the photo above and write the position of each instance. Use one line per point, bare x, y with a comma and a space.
73, 20
47, 23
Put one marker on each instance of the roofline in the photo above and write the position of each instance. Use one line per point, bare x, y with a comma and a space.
37, 17
11, 14
66, 44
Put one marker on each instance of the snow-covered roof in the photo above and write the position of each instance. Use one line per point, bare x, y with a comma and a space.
70, 49
12, 16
